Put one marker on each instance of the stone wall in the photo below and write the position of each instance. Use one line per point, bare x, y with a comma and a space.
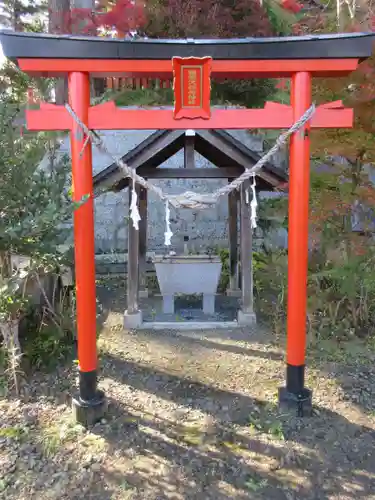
204, 227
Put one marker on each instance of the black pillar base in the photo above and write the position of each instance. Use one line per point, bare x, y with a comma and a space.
89, 406
300, 403
88, 413
295, 396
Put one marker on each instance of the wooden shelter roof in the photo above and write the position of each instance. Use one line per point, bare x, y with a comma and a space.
218, 146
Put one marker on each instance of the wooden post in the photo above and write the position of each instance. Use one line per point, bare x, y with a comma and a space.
295, 394
143, 290
133, 316
189, 160
89, 405
233, 289
246, 314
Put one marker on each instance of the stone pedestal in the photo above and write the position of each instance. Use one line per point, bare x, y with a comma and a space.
233, 292
132, 320
246, 318
143, 293
168, 304
208, 303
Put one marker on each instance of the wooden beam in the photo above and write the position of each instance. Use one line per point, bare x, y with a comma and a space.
233, 199
157, 150
133, 262
143, 242
190, 173
150, 153
189, 151
163, 68
218, 151
247, 306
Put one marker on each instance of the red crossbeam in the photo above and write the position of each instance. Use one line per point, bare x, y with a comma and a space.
109, 117
163, 68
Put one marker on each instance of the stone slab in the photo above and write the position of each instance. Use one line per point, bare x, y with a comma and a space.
246, 319
133, 320
191, 325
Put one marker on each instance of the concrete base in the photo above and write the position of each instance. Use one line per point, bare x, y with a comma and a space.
246, 319
168, 304
233, 292
208, 303
143, 294
132, 320
189, 325
88, 413
300, 404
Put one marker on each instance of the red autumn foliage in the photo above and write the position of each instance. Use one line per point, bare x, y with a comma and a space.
173, 18
124, 16
282, 84
292, 6
207, 18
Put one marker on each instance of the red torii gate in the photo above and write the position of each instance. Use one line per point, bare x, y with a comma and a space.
298, 58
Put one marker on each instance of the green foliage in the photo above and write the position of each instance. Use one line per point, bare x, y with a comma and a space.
12, 301
281, 19
249, 93
341, 280
223, 253
23, 15
270, 279
143, 97
46, 345
13, 86
341, 297
33, 202
252, 93
15, 433
34, 205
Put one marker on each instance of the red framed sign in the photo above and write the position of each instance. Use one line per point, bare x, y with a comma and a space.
192, 87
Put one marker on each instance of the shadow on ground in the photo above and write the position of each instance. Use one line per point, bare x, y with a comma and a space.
322, 457
182, 426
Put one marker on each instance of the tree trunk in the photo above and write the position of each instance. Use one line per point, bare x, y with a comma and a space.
17, 13
59, 22
5, 265
82, 23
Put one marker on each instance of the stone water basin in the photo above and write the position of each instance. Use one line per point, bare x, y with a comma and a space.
188, 274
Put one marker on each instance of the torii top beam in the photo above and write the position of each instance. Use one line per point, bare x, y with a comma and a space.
321, 55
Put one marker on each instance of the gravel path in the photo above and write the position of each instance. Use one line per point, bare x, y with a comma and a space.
193, 415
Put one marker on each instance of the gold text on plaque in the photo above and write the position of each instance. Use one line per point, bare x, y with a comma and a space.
192, 87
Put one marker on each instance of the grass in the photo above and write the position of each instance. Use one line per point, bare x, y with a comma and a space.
255, 484
265, 423
329, 350
192, 435
54, 435
16, 432
3, 386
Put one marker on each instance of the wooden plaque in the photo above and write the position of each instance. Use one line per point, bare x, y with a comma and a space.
192, 87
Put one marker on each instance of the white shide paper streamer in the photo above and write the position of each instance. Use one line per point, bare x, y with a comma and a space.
253, 205
168, 233
134, 212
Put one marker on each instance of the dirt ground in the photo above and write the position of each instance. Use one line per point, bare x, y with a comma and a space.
193, 415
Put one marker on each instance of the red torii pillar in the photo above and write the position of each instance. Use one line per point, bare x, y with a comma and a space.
298, 239
89, 405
